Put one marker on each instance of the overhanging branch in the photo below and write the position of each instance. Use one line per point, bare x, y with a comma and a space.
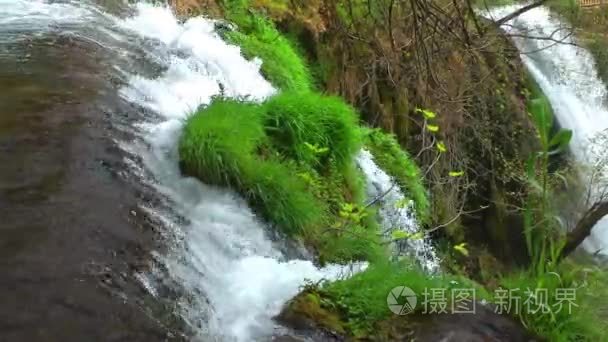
519, 12
584, 226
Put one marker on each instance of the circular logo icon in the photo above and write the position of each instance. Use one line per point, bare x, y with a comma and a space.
401, 300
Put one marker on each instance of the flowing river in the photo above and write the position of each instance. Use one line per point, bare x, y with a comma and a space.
98, 221
104, 239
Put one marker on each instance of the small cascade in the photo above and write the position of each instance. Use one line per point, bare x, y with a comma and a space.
216, 261
234, 277
566, 73
396, 212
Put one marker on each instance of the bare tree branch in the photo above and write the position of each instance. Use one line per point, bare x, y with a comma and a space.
519, 12
584, 226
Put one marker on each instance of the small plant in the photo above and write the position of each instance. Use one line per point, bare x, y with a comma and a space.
563, 305
543, 233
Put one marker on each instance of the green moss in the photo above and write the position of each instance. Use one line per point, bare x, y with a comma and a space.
258, 37
291, 157
397, 163
360, 301
309, 305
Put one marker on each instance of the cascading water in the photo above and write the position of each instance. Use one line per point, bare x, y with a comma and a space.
227, 277
235, 279
566, 73
396, 215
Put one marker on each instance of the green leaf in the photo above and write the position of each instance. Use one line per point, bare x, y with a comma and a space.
441, 147
561, 140
531, 167
456, 173
402, 203
462, 249
432, 128
539, 109
348, 207
399, 234
426, 113
417, 236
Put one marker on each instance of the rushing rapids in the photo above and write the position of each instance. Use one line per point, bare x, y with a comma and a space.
229, 277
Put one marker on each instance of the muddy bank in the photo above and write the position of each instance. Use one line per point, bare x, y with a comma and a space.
71, 238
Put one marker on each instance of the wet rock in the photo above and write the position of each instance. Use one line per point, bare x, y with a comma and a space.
482, 326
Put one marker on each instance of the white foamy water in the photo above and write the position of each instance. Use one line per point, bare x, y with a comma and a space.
235, 278
394, 215
227, 277
568, 78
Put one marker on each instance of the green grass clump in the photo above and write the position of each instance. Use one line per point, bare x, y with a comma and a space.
216, 149
398, 164
313, 128
361, 299
221, 145
258, 37
292, 158
586, 320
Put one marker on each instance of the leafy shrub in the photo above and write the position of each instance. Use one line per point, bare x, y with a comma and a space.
361, 299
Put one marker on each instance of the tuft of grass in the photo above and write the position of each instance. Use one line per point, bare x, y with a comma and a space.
221, 145
258, 37
214, 148
398, 164
361, 300
313, 128
583, 323
292, 158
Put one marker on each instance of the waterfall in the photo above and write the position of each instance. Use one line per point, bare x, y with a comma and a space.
215, 259
566, 73
235, 278
394, 214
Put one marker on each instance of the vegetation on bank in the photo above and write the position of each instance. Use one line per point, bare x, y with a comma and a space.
396, 162
292, 156
590, 26
543, 310
258, 37
358, 305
